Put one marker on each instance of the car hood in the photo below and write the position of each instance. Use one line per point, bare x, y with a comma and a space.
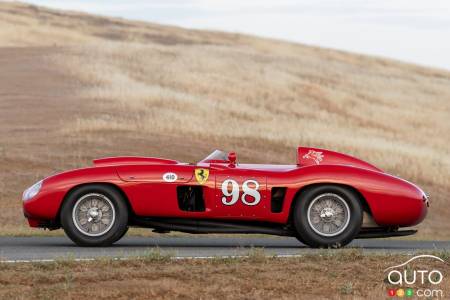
132, 160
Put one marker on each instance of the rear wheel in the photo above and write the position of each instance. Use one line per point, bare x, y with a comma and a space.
94, 215
327, 216
302, 240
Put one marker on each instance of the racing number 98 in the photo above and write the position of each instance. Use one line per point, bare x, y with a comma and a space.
248, 192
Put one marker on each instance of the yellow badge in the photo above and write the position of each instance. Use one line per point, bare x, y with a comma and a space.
201, 175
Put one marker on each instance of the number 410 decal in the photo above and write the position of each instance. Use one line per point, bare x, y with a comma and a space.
234, 193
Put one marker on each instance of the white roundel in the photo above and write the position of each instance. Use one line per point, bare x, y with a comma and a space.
170, 177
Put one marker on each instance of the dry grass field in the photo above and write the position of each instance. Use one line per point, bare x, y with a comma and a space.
75, 86
340, 275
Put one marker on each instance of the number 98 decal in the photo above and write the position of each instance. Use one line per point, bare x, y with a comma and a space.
250, 196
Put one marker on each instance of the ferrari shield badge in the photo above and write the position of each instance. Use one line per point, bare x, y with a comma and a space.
201, 175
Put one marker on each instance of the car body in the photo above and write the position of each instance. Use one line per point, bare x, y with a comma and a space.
219, 195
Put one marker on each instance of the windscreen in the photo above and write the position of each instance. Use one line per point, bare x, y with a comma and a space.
217, 155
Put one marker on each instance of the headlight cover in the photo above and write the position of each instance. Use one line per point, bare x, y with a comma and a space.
32, 191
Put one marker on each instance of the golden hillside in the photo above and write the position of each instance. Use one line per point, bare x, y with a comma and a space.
75, 86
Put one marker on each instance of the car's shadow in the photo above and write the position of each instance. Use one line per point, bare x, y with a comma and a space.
139, 243
161, 242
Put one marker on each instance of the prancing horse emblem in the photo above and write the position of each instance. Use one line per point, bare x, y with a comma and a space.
201, 175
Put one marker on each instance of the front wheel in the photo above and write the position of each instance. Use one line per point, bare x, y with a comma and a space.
94, 215
327, 216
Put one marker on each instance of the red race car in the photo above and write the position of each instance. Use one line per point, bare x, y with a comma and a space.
326, 199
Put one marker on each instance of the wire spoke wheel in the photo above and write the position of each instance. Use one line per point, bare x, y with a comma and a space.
93, 214
328, 214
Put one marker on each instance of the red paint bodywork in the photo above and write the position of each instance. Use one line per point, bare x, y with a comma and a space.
392, 201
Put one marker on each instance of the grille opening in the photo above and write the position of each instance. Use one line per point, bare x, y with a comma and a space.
190, 198
277, 199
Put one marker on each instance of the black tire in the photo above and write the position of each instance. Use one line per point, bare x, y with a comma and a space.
301, 240
123, 234
313, 237
117, 228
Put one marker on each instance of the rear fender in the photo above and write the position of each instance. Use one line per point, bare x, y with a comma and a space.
391, 200
315, 156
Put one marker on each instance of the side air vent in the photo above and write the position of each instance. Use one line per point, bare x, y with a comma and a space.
277, 199
190, 198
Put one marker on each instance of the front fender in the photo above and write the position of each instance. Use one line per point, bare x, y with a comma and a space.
45, 205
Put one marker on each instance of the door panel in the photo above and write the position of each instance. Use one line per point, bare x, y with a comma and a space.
152, 189
240, 194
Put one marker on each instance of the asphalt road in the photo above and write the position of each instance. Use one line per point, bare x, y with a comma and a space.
50, 248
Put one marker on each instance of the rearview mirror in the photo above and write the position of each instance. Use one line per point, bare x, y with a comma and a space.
232, 158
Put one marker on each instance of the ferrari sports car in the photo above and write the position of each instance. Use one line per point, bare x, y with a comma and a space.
325, 199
